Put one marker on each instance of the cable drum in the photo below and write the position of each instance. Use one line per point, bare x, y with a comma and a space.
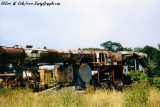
63, 73
84, 73
69, 74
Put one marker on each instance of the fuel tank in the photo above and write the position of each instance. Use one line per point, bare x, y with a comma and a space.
14, 55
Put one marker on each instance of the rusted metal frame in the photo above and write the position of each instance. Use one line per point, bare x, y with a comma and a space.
13, 82
107, 56
99, 65
122, 73
10, 82
13, 74
71, 54
98, 68
94, 59
112, 76
101, 57
25, 73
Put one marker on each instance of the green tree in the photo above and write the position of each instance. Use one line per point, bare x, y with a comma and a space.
91, 49
150, 51
138, 49
156, 63
156, 58
159, 46
127, 49
112, 46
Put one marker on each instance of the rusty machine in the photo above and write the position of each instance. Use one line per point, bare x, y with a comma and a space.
20, 67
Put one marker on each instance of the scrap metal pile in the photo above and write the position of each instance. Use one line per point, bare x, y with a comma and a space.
20, 67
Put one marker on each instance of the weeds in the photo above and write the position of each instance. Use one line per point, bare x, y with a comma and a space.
156, 81
8, 91
138, 95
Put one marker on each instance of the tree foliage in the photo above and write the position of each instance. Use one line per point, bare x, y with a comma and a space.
112, 46
159, 46
156, 58
150, 51
96, 49
127, 49
138, 49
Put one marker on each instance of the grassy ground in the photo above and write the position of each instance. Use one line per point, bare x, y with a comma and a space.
139, 95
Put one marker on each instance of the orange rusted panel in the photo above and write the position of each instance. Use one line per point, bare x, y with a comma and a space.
63, 73
70, 74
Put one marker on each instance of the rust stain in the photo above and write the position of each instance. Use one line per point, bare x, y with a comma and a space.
83, 66
70, 70
16, 51
70, 78
1, 50
51, 50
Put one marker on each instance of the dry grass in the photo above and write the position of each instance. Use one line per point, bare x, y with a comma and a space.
68, 97
154, 98
104, 98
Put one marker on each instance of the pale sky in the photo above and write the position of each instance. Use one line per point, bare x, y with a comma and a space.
81, 23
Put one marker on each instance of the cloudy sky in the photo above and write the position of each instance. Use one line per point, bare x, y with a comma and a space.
81, 23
